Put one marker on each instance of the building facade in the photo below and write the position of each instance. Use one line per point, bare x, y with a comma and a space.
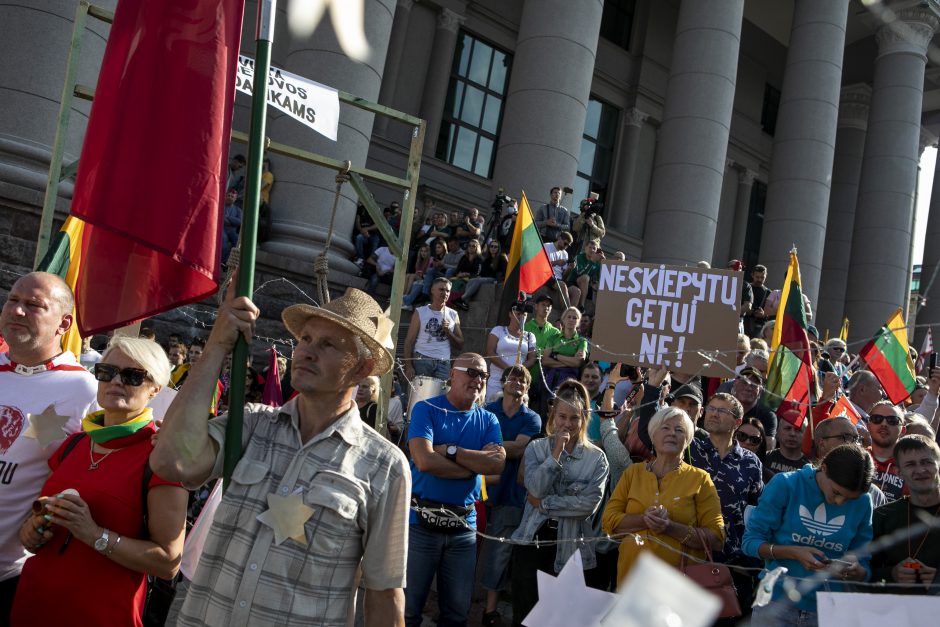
711, 129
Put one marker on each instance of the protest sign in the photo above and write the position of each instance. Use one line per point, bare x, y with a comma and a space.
308, 102
683, 317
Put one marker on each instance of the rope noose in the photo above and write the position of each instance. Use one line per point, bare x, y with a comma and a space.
321, 266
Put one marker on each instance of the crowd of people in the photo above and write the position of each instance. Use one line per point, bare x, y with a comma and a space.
525, 452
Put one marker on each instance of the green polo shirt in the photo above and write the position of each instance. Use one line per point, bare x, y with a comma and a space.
543, 336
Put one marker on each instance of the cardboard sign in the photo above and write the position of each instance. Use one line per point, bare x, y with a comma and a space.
683, 317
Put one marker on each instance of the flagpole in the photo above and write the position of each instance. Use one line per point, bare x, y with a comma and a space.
244, 286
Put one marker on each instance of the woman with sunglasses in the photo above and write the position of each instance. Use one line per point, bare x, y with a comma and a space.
814, 522
98, 529
565, 477
751, 435
492, 271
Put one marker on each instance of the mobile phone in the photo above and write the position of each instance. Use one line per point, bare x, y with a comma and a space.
931, 362
843, 564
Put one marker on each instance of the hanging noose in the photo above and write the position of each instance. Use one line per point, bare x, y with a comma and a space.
321, 266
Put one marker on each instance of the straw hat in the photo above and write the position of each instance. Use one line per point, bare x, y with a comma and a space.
360, 314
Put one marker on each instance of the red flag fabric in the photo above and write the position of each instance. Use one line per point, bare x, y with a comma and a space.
153, 166
272, 383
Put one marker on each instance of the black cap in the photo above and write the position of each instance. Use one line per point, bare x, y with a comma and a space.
688, 390
753, 374
544, 296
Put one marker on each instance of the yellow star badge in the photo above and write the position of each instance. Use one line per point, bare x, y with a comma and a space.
286, 515
46, 427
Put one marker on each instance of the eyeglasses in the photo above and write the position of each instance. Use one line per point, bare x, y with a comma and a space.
846, 438
877, 420
129, 376
473, 373
721, 411
743, 437
836, 349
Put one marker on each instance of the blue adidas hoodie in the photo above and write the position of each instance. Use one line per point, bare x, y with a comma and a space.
793, 511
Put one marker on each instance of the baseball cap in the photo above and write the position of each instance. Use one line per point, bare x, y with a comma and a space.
688, 390
753, 374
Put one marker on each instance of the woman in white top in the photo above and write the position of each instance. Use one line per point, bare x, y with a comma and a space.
503, 349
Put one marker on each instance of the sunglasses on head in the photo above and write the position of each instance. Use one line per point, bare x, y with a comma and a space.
743, 437
473, 373
892, 420
129, 376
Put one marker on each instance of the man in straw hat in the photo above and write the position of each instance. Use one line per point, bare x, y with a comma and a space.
317, 497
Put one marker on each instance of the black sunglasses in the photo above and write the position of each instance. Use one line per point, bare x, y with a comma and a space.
743, 437
129, 376
877, 420
473, 373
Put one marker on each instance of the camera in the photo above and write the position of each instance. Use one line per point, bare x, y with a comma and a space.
522, 306
500, 201
630, 372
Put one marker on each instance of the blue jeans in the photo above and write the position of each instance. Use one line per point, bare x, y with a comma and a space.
783, 614
365, 246
430, 367
474, 284
450, 556
501, 521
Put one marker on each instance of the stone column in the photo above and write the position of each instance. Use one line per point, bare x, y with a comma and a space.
546, 100
633, 121
685, 193
878, 274
304, 193
804, 142
929, 312
846, 171
438, 77
742, 210
393, 62
34, 44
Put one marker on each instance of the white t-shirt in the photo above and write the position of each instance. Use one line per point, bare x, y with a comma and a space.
23, 463
554, 255
431, 340
507, 348
385, 260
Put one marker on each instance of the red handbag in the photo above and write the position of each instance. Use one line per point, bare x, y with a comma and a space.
716, 578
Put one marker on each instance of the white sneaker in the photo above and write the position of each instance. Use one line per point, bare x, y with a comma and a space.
359, 262
407, 308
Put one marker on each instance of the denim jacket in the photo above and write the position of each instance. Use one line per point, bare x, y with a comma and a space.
570, 491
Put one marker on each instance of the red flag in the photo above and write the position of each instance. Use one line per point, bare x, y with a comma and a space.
844, 407
272, 383
153, 165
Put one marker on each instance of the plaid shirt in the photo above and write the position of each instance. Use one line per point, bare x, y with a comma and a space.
358, 485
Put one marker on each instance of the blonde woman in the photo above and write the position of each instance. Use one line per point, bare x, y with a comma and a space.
665, 500
564, 476
94, 548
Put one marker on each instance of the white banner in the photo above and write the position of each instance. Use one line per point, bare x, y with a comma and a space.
308, 102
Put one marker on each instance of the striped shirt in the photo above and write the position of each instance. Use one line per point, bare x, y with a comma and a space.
359, 487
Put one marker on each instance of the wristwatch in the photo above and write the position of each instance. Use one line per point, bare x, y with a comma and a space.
101, 544
452, 452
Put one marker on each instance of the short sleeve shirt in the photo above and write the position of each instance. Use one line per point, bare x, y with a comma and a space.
439, 422
357, 484
523, 422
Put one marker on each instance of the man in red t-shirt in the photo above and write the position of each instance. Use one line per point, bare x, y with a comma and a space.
886, 426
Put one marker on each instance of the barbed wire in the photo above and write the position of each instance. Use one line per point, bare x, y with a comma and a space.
876, 545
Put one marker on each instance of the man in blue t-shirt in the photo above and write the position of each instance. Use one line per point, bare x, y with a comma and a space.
452, 443
518, 425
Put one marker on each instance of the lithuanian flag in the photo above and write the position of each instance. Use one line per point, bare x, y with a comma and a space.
64, 259
790, 373
528, 268
889, 359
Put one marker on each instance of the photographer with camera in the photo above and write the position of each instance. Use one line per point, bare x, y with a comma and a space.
551, 218
589, 224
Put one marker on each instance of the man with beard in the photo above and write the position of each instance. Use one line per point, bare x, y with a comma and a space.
452, 441
886, 425
42, 390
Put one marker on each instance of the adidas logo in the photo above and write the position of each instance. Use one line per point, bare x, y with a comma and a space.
818, 523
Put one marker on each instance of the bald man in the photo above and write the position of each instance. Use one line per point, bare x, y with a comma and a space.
42, 386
